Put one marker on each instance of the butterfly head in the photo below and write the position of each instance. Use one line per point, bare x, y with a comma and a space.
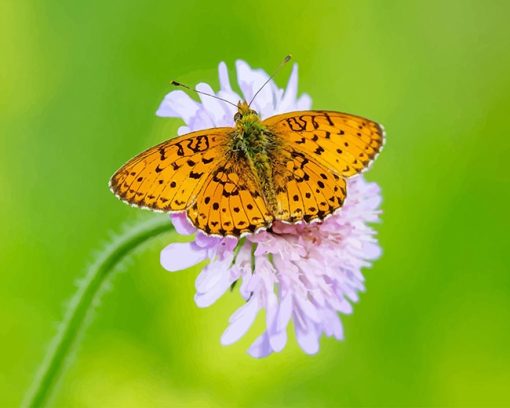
245, 112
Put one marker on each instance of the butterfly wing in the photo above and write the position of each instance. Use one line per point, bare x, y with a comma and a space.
195, 172
169, 176
230, 203
305, 189
345, 144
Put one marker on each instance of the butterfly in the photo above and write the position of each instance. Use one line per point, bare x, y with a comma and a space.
233, 181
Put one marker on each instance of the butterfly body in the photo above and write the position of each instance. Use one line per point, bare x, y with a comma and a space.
236, 180
254, 147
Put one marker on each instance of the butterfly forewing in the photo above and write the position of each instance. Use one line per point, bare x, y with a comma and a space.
344, 143
168, 177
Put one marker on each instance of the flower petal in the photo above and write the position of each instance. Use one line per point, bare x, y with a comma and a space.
250, 81
284, 313
224, 78
278, 317
179, 256
178, 104
213, 274
206, 241
206, 299
308, 340
183, 130
333, 326
289, 97
240, 322
371, 250
214, 108
278, 340
304, 102
182, 225
260, 347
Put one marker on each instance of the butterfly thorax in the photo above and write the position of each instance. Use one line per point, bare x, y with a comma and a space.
254, 145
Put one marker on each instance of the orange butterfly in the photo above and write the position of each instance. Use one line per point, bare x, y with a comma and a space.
236, 180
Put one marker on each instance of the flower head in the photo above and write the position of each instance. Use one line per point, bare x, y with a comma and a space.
304, 273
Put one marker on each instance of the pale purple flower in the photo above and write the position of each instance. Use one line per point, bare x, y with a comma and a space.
304, 273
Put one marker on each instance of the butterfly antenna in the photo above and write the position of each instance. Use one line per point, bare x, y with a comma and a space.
175, 83
282, 64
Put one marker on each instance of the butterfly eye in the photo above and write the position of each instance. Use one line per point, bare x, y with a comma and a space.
237, 116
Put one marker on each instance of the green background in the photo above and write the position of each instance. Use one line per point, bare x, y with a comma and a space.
80, 82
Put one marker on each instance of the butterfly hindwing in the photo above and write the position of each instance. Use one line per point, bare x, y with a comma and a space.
230, 203
305, 189
167, 177
344, 143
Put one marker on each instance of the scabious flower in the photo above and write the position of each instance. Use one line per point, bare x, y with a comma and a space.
304, 273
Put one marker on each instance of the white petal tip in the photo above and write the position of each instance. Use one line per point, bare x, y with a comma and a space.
179, 256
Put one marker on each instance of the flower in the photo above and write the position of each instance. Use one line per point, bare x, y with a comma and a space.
304, 273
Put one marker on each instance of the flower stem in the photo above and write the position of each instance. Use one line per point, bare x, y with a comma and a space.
82, 304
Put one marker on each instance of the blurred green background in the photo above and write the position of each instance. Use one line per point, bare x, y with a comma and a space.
79, 86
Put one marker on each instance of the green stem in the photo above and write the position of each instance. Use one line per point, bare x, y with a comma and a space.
81, 306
